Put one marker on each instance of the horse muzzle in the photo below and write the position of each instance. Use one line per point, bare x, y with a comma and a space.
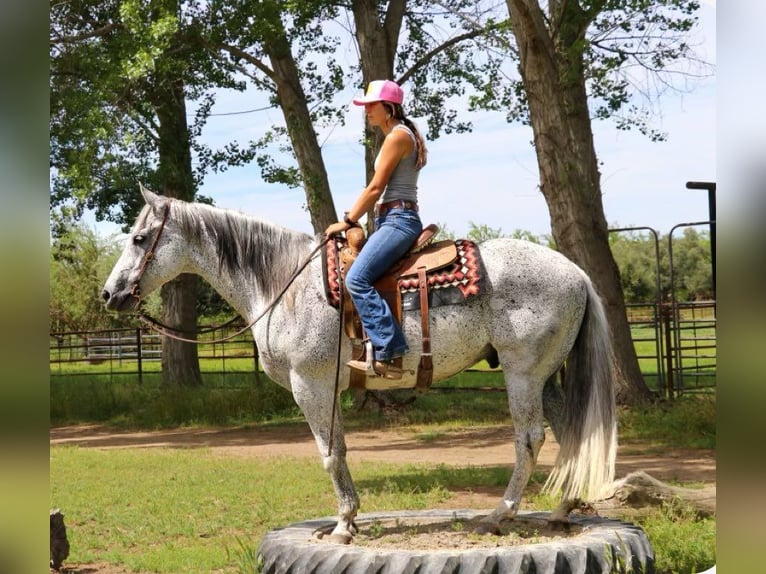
121, 301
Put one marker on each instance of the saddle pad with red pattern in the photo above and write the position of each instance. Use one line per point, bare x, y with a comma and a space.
449, 285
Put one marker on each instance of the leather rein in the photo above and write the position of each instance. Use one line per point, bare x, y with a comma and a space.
166, 331
135, 291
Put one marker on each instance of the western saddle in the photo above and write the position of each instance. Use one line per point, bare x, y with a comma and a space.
424, 256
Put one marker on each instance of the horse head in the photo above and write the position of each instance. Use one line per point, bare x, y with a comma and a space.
152, 256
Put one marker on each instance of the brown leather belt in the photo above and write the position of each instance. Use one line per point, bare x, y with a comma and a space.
382, 208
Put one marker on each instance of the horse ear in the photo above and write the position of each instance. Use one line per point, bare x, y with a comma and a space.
151, 198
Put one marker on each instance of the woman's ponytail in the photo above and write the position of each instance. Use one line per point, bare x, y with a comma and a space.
397, 112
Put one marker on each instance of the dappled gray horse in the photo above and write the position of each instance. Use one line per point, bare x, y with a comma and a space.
538, 310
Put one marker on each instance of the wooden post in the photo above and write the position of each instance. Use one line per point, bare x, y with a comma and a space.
139, 355
255, 360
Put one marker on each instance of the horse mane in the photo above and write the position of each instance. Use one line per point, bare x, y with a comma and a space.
265, 252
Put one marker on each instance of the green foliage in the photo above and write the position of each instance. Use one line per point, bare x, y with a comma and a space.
628, 52
107, 58
681, 541
482, 232
636, 256
112, 65
80, 262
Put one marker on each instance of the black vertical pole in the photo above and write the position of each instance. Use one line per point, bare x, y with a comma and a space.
710, 186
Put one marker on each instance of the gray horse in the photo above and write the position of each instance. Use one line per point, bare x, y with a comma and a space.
538, 310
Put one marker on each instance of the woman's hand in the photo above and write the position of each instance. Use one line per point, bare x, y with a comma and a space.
335, 228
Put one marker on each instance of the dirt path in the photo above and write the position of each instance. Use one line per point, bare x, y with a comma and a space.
478, 446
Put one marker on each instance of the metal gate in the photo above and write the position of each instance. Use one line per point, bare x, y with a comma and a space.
675, 339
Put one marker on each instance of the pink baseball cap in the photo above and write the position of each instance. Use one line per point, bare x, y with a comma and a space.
381, 91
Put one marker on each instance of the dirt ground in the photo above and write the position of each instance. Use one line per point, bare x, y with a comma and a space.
479, 446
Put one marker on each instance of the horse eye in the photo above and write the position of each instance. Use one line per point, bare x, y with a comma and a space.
138, 238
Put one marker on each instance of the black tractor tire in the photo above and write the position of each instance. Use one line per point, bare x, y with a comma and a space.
601, 545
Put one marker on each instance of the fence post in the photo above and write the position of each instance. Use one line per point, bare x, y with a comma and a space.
139, 354
255, 359
666, 311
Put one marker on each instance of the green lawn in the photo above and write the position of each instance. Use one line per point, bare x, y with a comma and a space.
171, 510
175, 510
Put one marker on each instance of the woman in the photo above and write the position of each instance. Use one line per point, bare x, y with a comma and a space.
393, 191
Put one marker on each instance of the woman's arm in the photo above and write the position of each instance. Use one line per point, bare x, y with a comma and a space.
396, 146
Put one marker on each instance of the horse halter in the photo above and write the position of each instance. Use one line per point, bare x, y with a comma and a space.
135, 290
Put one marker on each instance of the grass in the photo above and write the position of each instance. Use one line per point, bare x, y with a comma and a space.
682, 543
169, 510
123, 402
126, 403
687, 422
193, 511
175, 510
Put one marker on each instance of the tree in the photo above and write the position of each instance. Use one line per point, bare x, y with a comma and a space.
636, 258
572, 48
276, 45
692, 266
483, 232
80, 261
258, 39
121, 72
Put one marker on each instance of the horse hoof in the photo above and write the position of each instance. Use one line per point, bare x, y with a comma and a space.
344, 539
488, 528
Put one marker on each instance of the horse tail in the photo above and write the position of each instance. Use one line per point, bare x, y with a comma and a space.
588, 442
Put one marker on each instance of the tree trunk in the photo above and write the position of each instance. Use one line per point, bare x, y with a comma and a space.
300, 128
554, 82
377, 43
180, 362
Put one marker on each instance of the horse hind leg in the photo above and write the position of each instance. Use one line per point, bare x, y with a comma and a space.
526, 406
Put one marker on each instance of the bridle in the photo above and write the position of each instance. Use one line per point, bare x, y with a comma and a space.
135, 290
165, 330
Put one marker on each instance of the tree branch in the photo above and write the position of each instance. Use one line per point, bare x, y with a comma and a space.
431, 53
103, 31
250, 59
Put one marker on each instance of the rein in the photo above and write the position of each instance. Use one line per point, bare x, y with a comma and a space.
166, 331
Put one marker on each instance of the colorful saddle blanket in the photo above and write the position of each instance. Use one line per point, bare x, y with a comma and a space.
458, 281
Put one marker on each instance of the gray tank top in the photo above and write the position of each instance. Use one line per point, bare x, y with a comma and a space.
403, 183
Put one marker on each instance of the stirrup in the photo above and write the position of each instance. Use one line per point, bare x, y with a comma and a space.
377, 369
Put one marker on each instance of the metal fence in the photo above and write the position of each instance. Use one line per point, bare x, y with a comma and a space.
678, 338
136, 351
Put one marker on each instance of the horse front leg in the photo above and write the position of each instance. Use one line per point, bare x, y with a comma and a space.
525, 402
316, 405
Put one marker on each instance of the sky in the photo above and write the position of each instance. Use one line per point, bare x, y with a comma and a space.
490, 176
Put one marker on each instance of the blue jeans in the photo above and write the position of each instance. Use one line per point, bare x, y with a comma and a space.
395, 233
